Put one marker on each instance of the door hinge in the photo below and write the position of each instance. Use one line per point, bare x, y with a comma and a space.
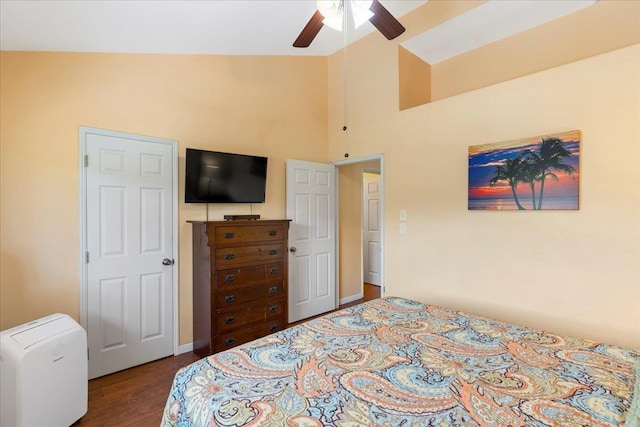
86, 160
87, 354
87, 257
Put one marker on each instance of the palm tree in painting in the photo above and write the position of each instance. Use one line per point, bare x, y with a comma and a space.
528, 171
549, 156
510, 171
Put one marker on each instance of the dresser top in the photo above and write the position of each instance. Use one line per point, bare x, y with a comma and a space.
240, 221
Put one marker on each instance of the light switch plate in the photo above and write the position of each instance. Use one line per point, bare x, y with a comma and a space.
403, 228
403, 215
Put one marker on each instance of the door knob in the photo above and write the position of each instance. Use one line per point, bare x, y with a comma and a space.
292, 249
167, 261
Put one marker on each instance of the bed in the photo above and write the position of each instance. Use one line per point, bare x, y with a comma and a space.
397, 362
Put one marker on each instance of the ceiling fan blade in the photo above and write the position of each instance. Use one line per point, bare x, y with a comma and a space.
385, 22
310, 31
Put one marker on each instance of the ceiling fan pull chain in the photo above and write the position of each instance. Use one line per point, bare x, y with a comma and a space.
344, 78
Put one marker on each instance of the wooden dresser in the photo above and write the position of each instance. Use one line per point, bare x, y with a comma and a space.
239, 282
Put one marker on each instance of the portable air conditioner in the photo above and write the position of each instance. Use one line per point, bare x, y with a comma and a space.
43, 373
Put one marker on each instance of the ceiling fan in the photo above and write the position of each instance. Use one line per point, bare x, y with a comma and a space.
332, 13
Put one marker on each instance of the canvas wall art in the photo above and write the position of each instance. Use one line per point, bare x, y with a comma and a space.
539, 173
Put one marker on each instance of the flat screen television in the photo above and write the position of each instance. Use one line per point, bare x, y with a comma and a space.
215, 177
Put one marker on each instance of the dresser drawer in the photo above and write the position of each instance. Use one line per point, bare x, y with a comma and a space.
244, 234
232, 339
243, 275
258, 311
228, 257
230, 296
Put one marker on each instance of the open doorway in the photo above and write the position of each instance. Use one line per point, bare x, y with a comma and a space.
371, 227
352, 227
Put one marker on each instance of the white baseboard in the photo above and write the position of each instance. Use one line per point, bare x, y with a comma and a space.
351, 298
185, 348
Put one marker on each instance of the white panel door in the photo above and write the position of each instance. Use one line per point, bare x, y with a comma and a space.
371, 228
311, 195
129, 232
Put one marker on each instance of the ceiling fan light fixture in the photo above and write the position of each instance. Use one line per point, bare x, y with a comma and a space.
361, 12
332, 11
334, 22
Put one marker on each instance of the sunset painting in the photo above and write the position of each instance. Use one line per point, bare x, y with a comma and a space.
539, 173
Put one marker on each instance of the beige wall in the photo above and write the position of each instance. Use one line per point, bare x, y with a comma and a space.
574, 272
605, 26
350, 227
414, 80
571, 272
239, 104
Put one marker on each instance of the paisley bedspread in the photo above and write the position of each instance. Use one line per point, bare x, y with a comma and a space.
396, 362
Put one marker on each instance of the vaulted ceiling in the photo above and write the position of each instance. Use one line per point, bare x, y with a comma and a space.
247, 27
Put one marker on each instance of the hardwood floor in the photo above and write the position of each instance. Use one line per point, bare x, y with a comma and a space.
136, 396
133, 397
369, 292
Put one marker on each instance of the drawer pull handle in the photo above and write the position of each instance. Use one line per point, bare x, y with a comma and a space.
272, 232
229, 320
273, 328
273, 289
273, 252
273, 309
229, 341
229, 277
229, 256
230, 298
229, 235
273, 270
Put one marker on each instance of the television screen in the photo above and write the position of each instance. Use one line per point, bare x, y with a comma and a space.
215, 177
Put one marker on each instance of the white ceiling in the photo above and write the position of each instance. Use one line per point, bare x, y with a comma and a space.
225, 27
244, 27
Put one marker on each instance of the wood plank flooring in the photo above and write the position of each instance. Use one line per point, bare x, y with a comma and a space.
136, 396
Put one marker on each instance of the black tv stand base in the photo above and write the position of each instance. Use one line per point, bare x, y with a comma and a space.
237, 217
